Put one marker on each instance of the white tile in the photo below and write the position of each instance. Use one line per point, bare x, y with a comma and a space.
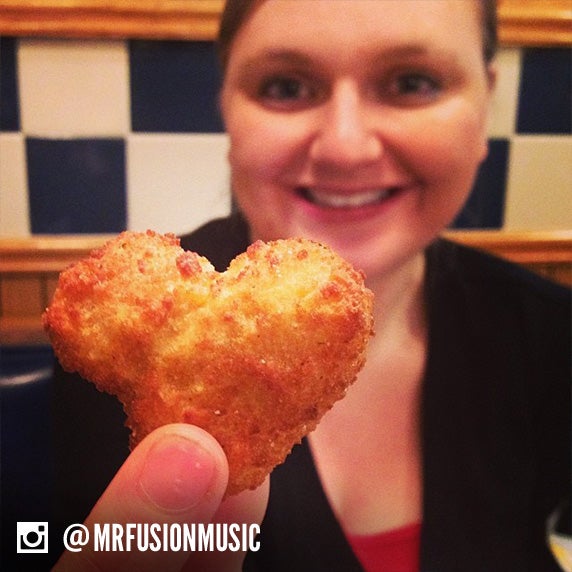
176, 182
502, 121
539, 189
14, 206
72, 88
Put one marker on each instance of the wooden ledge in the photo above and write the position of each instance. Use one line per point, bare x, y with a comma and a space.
29, 269
523, 247
521, 23
54, 252
46, 253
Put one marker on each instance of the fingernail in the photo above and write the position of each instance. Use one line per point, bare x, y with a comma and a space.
177, 473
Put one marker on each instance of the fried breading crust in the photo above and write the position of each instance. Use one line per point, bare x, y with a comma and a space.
254, 355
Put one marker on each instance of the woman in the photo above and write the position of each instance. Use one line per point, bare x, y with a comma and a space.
362, 124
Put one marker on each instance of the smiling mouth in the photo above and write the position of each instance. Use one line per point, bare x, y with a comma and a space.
333, 200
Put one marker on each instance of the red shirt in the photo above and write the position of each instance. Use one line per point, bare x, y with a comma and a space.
392, 551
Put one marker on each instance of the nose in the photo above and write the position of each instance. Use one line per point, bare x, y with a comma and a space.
344, 135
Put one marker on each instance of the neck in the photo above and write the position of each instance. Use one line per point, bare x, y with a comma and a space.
399, 302
396, 353
368, 444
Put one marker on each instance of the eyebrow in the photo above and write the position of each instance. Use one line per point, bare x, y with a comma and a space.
280, 56
296, 57
378, 56
415, 51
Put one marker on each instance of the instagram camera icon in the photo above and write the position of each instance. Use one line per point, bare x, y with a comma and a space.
32, 537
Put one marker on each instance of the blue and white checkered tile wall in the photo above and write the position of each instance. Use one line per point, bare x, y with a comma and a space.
99, 136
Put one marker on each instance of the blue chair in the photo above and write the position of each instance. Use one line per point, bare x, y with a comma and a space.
25, 443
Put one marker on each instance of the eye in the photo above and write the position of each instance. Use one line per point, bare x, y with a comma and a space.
281, 88
416, 83
286, 92
413, 88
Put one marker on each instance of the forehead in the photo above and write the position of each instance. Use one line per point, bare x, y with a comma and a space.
352, 25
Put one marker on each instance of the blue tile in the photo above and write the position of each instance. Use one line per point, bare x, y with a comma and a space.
485, 206
76, 185
545, 91
174, 87
9, 104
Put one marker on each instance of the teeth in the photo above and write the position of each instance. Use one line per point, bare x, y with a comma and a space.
329, 199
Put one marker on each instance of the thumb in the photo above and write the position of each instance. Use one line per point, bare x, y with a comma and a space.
177, 474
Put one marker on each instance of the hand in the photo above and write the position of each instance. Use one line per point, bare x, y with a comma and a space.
177, 474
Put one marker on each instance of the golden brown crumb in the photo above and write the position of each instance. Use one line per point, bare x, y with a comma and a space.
254, 355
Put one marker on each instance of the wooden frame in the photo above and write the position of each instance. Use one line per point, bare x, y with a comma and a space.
521, 22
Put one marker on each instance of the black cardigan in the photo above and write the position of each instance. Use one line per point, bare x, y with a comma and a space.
495, 430
495, 427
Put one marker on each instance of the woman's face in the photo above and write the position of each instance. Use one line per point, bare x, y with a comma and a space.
359, 124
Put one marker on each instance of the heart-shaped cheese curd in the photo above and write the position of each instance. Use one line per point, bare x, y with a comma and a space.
254, 355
